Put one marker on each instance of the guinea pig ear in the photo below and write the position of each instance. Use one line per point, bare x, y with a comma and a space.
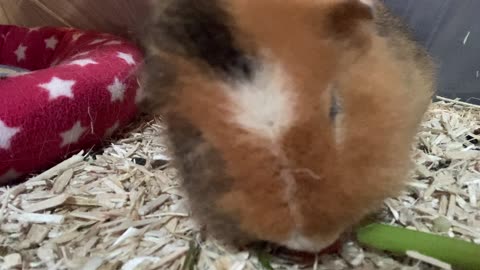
346, 20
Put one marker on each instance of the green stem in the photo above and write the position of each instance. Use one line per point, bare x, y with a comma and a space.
459, 254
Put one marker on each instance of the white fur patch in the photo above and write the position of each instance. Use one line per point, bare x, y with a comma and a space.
265, 106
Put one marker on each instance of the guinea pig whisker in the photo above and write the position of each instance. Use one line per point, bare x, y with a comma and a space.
309, 172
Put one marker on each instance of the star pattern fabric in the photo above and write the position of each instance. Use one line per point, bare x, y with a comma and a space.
9, 175
75, 89
113, 42
59, 88
20, 52
97, 41
117, 90
83, 62
6, 135
51, 43
76, 36
111, 130
72, 135
127, 58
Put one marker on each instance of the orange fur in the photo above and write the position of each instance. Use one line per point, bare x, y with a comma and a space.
341, 170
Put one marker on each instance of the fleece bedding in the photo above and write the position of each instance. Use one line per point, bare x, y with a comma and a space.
61, 90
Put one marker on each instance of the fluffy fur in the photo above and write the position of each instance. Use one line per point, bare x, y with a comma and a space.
290, 120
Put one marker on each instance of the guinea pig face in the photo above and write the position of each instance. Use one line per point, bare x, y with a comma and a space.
297, 99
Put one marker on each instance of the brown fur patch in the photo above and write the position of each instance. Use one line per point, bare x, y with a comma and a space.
384, 83
344, 19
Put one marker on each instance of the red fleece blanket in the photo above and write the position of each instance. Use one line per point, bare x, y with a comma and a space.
74, 89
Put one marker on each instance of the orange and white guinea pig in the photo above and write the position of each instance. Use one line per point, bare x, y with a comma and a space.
290, 121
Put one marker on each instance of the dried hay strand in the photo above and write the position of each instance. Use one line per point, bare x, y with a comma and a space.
124, 209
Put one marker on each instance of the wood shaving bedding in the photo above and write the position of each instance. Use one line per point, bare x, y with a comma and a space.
123, 208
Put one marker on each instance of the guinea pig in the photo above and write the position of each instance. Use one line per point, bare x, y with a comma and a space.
289, 121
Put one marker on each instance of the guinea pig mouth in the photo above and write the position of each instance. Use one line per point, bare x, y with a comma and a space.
306, 256
297, 256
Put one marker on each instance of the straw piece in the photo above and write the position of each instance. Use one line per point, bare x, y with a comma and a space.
47, 204
429, 260
56, 170
62, 181
153, 205
12, 261
38, 218
37, 233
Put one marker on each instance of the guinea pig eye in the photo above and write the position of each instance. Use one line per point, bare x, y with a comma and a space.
335, 107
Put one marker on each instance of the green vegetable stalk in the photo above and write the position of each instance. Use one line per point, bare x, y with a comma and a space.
459, 254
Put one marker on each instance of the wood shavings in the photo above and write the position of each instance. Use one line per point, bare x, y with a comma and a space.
353, 254
112, 212
56, 170
134, 263
11, 227
131, 232
62, 181
47, 204
429, 260
37, 233
82, 201
38, 218
152, 205
93, 263
66, 237
12, 261
89, 216
451, 206
169, 258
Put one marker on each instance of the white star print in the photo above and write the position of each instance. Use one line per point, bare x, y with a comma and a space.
9, 175
81, 54
6, 135
126, 57
21, 52
72, 135
76, 36
59, 88
117, 89
51, 43
33, 29
5, 36
97, 41
83, 62
112, 129
113, 42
